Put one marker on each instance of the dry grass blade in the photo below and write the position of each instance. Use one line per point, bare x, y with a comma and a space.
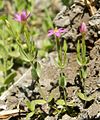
5, 114
91, 6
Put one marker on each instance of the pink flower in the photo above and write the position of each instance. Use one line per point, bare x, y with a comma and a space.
56, 32
21, 17
83, 28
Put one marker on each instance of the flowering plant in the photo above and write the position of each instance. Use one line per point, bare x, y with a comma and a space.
61, 56
81, 53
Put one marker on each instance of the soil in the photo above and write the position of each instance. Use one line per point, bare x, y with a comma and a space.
69, 18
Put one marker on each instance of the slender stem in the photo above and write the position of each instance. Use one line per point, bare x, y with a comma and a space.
65, 59
65, 95
58, 47
83, 49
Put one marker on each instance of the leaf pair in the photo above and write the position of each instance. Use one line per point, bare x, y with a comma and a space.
31, 106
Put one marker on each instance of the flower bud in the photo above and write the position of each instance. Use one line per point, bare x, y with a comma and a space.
83, 28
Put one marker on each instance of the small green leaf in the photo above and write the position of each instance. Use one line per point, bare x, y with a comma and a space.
71, 103
79, 61
60, 102
84, 97
62, 81
65, 46
9, 64
31, 105
84, 72
3, 51
38, 69
3, 17
41, 53
51, 96
2, 67
10, 78
23, 55
1, 4
34, 73
1, 81
79, 58
40, 102
29, 115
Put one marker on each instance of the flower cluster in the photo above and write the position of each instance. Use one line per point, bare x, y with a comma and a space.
21, 17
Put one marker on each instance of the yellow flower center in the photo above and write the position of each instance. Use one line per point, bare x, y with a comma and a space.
55, 30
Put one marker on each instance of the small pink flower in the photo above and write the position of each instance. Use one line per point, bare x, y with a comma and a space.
21, 17
83, 28
56, 32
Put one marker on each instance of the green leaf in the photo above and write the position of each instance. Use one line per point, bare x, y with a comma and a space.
38, 69
79, 61
34, 73
14, 54
1, 4
2, 67
3, 51
83, 51
3, 17
71, 103
84, 72
79, 58
31, 105
2, 89
62, 81
14, 51
1, 81
40, 102
9, 64
60, 102
29, 115
23, 55
84, 97
41, 53
65, 47
10, 78
51, 96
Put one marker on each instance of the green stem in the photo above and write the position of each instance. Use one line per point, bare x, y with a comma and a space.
65, 95
65, 59
83, 49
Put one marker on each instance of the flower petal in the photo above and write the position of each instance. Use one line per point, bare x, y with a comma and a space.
23, 16
17, 17
61, 30
50, 33
57, 34
83, 28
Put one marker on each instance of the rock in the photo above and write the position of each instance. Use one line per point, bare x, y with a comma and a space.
67, 117
93, 110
